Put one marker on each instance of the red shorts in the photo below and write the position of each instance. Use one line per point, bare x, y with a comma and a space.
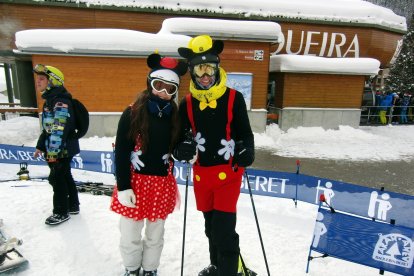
217, 187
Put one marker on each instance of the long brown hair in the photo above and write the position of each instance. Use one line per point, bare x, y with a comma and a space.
140, 121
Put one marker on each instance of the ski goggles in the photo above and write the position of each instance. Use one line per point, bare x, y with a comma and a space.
202, 69
41, 69
163, 86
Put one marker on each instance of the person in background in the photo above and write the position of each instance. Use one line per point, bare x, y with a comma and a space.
405, 102
57, 141
410, 109
146, 191
386, 106
378, 99
216, 118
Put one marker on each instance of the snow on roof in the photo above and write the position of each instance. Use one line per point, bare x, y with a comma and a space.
134, 43
352, 11
115, 42
315, 65
227, 29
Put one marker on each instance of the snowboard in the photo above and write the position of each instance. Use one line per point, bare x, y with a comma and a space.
10, 257
95, 188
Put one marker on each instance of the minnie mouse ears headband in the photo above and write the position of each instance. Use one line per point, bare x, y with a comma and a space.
157, 62
202, 49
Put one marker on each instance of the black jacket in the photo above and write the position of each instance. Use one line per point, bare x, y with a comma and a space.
211, 123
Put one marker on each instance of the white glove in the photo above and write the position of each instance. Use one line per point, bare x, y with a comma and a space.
194, 159
127, 198
136, 162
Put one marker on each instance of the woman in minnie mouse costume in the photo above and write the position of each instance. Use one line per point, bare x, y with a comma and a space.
217, 118
146, 191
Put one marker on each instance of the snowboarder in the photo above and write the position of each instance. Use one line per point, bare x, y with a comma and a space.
57, 141
217, 117
146, 191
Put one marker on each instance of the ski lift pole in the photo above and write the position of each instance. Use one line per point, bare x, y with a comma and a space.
257, 221
185, 216
297, 180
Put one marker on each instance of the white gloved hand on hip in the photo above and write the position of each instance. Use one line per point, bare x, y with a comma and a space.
127, 198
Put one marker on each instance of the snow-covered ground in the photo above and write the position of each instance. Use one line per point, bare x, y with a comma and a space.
88, 243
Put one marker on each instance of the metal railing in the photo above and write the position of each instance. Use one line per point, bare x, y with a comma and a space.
13, 110
370, 115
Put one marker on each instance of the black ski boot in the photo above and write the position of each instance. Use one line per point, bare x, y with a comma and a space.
56, 219
23, 173
132, 273
150, 273
74, 210
211, 270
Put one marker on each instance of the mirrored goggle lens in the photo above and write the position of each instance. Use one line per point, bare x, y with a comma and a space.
162, 86
40, 68
205, 68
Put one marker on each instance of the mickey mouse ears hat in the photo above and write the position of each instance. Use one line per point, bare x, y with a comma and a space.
202, 49
157, 62
166, 68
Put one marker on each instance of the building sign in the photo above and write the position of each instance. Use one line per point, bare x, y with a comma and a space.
244, 54
397, 51
258, 55
324, 44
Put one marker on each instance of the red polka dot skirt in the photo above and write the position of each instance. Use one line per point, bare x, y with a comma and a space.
156, 197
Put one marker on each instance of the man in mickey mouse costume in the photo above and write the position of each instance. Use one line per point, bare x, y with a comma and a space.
216, 116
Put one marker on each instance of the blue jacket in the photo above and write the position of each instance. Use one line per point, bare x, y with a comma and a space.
388, 100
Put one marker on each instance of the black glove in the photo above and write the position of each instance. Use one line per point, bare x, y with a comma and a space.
185, 151
243, 156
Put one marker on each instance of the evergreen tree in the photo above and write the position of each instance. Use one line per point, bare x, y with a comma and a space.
401, 7
401, 78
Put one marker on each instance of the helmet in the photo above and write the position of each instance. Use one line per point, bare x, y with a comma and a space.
165, 73
54, 75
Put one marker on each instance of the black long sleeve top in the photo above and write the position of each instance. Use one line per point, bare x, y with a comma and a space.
211, 123
159, 140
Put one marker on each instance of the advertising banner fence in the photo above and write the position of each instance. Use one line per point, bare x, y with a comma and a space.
350, 198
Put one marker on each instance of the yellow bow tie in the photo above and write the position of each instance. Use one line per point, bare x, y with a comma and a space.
212, 104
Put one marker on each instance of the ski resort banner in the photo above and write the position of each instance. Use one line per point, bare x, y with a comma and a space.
359, 200
360, 240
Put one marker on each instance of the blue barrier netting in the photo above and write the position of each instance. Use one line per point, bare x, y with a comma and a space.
349, 198
360, 240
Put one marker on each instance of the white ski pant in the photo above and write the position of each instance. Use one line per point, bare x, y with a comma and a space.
141, 251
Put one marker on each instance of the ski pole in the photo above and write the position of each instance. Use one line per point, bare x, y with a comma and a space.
257, 222
113, 155
185, 216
